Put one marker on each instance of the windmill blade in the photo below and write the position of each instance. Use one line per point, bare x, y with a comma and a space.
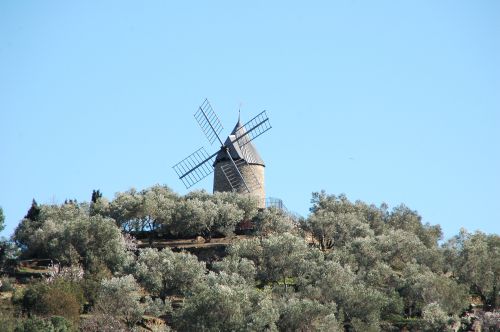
249, 131
232, 172
209, 122
195, 167
252, 129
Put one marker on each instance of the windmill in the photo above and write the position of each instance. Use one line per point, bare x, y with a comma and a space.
237, 164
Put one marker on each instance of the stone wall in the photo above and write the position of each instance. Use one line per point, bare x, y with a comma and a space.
222, 184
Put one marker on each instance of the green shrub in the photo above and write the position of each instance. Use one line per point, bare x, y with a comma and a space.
6, 284
60, 298
35, 324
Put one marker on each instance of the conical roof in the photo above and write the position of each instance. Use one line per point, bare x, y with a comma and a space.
248, 153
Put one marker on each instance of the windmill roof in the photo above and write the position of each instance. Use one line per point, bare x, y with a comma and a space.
248, 153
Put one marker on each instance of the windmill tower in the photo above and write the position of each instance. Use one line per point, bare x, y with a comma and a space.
237, 164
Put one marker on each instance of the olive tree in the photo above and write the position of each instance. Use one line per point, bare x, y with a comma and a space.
475, 261
68, 234
273, 220
225, 302
234, 264
120, 298
162, 272
194, 217
308, 315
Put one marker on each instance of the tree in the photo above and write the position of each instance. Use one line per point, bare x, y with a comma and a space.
120, 298
164, 272
68, 234
421, 287
333, 229
246, 203
335, 222
97, 239
360, 304
96, 194
38, 324
158, 206
308, 315
59, 298
98, 322
226, 303
408, 220
9, 252
2, 220
282, 257
28, 232
146, 210
277, 257
33, 212
125, 209
234, 264
273, 220
435, 317
194, 217
475, 261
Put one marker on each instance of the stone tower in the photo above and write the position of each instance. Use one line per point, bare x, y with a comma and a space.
250, 165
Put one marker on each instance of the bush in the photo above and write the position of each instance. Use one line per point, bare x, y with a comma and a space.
6, 285
37, 324
61, 303
60, 298
60, 324
102, 323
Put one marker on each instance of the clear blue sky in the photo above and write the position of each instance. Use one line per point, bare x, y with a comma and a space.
385, 101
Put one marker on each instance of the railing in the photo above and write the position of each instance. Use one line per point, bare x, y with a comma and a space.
273, 202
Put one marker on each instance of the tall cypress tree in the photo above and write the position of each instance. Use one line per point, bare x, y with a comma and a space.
96, 194
34, 212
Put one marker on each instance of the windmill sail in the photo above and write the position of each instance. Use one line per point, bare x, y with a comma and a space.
253, 129
195, 167
209, 122
238, 164
233, 172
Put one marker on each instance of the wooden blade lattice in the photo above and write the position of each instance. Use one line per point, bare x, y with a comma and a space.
209, 122
195, 167
250, 131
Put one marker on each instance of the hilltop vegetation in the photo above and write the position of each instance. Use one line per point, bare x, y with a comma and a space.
349, 266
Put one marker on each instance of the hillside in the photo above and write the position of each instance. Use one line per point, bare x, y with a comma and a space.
152, 260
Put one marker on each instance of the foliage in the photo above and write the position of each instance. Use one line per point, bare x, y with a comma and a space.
145, 210
349, 266
273, 221
68, 234
6, 284
96, 195
475, 261
164, 272
38, 324
2, 220
9, 252
33, 213
99, 322
226, 303
278, 258
59, 298
159, 211
435, 317
233, 264
120, 298
308, 315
